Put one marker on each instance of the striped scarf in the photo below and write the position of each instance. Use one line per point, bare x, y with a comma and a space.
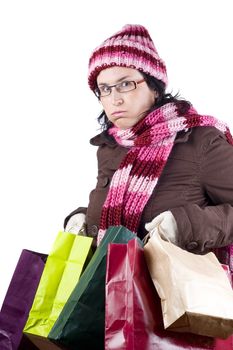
150, 142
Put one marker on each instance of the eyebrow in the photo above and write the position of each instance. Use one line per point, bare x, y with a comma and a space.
118, 81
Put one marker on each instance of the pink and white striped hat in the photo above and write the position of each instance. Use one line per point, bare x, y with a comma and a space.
131, 47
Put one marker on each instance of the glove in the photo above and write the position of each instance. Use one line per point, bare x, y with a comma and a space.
166, 225
76, 224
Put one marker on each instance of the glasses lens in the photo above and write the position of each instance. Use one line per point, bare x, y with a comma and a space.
126, 86
105, 90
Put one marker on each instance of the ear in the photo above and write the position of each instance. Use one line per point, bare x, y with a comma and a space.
156, 95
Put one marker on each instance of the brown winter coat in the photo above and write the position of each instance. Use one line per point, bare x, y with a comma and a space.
196, 185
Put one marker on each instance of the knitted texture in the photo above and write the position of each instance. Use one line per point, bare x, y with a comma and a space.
131, 47
150, 142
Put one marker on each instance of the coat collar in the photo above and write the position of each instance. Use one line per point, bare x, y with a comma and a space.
103, 139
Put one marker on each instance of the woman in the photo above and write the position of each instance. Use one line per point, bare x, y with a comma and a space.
160, 163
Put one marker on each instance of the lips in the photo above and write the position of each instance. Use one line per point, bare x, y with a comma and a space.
118, 113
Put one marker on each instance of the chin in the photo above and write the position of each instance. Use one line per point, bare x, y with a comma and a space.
124, 125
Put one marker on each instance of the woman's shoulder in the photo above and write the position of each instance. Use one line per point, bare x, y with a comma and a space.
199, 135
195, 142
207, 135
103, 138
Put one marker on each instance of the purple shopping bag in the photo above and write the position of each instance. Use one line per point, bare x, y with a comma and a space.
19, 298
5, 341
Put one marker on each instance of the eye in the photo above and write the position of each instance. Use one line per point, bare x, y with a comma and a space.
104, 89
125, 84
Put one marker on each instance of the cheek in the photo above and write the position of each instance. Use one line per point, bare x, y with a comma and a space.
143, 105
104, 106
107, 111
151, 100
146, 101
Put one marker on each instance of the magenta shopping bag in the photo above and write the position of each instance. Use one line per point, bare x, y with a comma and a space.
225, 256
133, 317
19, 298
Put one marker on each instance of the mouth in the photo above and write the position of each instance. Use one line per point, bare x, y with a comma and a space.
118, 113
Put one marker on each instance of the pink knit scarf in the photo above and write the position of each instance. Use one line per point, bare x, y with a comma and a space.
150, 142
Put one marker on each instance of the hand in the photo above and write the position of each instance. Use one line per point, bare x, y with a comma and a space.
166, 225
76, 223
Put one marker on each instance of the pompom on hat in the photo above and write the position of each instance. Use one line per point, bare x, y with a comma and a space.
131, 47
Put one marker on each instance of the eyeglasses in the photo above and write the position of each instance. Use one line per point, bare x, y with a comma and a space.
124, 86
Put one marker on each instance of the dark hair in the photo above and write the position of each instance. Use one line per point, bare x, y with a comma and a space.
162, 98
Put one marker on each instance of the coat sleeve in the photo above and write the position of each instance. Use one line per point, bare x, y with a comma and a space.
202, 229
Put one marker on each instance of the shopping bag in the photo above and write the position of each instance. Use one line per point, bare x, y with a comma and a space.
195, 292
5, 340
81, 322
133, 316
129, 319
36, 342
225, 256
61, 273
228, 272
19, 298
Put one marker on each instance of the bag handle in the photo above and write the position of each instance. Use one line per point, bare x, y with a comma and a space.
157, 232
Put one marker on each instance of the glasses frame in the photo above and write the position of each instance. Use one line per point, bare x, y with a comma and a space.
136, 83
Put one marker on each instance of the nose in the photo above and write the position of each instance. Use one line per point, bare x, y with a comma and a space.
116, 97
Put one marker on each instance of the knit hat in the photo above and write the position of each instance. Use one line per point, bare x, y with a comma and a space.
131, 47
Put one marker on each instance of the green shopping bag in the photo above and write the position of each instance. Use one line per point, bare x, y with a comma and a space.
61, 273
81, 322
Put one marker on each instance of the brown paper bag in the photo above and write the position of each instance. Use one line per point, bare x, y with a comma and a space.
196, 295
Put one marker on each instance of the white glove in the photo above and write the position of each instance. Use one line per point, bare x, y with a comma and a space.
76, 223
166, 225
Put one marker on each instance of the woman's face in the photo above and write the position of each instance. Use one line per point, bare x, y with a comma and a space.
125, 109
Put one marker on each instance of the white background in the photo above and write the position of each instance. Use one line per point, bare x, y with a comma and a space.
48, 113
